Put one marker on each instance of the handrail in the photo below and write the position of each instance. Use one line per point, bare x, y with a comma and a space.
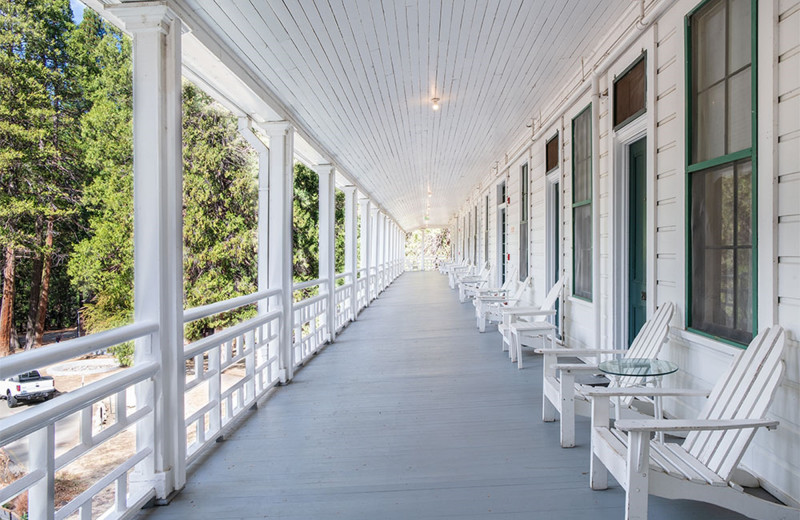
201, 345
210, 309
310, 283
342, 275
28, 421
343, 287
36, 359
309, 301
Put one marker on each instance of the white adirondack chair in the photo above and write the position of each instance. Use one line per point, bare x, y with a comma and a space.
529, 322
459, 270
489, 308
472, 283
702, 466
561, 394
445, 267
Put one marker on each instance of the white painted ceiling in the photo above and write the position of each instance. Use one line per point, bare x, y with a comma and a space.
359, 76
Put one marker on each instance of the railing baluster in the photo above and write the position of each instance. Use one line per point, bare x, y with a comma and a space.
214, 391
41, 496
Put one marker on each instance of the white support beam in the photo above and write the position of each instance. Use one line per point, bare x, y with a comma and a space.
281, 191
327, 241
351, 245
246, 129
158, 236
366, 245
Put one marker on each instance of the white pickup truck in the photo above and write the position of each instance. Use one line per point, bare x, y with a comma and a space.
30, 386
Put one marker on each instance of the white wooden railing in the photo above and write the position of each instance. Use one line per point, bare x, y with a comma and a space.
343, 301
35, 429
227, 372
310, 330
224, 375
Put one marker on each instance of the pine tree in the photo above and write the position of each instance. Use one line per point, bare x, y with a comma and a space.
37, 146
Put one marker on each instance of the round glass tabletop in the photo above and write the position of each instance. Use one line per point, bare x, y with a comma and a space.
641, 367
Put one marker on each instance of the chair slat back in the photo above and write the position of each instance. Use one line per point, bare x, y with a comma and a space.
549, 302
520, 290
745, 391
648, 342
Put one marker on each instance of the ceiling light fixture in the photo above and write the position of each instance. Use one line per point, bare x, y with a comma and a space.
435, 103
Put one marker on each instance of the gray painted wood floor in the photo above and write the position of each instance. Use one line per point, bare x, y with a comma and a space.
410, 414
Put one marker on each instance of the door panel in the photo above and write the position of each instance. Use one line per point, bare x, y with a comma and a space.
637, 238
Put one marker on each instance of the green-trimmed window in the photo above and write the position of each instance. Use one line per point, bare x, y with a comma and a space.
523, 223
721, 123
475, 236
582, 204
486, 231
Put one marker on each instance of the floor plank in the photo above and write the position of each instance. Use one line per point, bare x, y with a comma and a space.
409, 414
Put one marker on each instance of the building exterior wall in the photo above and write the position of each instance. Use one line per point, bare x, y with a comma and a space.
773, 455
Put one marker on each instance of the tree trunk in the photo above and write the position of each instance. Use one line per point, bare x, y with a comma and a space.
36, 284
45, 295
7, 307
33, 306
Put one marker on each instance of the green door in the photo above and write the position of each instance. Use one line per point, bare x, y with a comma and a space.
637, 239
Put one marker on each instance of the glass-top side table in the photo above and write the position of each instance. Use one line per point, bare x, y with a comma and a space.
638, 367
626, 372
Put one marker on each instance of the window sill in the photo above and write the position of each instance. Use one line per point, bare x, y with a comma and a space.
691, 337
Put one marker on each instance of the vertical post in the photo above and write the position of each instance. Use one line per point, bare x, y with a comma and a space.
158, 237
281, 191
41, 496
422, 251
327, 248
351, 246
366, 246
379, 260
246, 129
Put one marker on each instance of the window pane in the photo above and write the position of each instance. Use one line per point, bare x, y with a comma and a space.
744, 295
710, 130
551, 153
582, 167
739, 118
629, 93
739, 43
709, 45
721, 251
582, 255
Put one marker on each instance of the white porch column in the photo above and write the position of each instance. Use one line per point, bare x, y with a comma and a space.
379, 259
246, 129
158, 237
422, 251
351, 245
281, 191
366, 244
327, 250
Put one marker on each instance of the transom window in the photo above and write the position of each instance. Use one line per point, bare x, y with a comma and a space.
629, 93
582, 204
721, 170
551, 153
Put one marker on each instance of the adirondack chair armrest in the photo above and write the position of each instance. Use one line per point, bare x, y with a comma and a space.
529, 311
574, 352
635, 391
575, 367
682, 425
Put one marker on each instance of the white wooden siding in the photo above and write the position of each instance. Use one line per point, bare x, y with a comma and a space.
773, 455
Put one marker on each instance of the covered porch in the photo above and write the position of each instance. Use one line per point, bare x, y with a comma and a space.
410, 413
375, 396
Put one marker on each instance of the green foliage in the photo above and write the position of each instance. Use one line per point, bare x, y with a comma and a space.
41, 170
220, 211
123, 353
101, 265
436, 243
